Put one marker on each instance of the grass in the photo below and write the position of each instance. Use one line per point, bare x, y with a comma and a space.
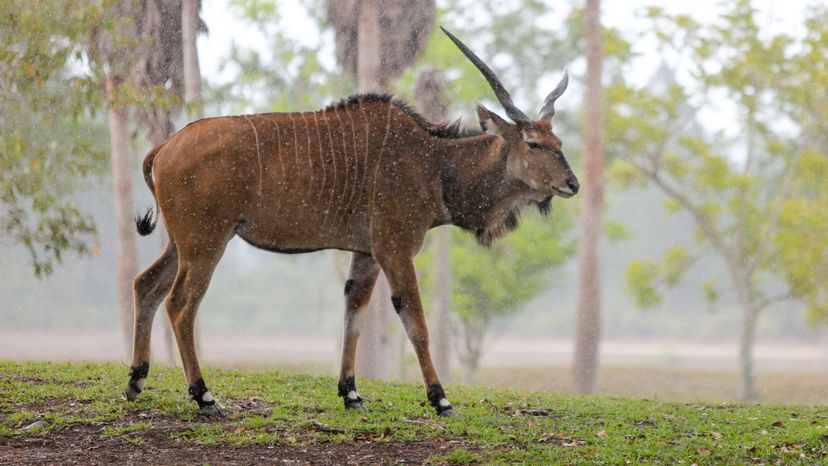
496, 425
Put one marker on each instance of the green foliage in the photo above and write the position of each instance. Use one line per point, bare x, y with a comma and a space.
494, 282
616, 231
645, 278
495, 427
762, 212
641, 279
50, 142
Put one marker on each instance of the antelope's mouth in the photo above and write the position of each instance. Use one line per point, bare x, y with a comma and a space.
566, 192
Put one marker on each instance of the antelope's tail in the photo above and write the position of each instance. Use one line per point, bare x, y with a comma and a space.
145, 223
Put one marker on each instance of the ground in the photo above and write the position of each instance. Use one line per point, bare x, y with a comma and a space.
73, 413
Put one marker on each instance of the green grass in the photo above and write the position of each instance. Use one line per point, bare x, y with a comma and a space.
496, 425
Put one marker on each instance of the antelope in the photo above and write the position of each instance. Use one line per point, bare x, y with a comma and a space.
366, 175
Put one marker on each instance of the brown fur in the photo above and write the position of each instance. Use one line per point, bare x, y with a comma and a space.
367, 175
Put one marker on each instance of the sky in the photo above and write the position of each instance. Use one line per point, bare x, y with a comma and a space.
622, 14
775, 16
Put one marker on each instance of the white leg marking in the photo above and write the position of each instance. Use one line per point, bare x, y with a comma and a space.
140, 383
258, 153
352, 395
444, 402
321, 158
379, 159
207, 397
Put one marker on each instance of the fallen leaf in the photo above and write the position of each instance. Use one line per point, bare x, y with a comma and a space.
716, 435
704, 451
602, 434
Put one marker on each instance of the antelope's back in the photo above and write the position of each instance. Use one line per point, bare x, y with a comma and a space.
304, 181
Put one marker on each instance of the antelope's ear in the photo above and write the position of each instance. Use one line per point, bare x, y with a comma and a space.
490, 121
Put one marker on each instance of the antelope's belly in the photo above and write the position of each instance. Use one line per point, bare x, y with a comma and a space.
305, 227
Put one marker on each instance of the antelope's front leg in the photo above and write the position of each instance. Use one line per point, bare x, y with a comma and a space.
358, 290
405, 297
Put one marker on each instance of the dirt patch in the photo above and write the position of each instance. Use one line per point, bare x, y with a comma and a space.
165, 443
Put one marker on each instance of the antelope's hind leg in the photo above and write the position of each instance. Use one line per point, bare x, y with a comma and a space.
196, 264
358, 290
149, 288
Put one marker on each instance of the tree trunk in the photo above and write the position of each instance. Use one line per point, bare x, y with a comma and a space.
431, 103
588, 329
192, 73
374, 353
441, 313
194, 110
127, 250
746, 341
373, 356
749, 314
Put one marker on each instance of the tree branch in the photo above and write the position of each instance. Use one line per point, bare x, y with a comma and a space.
770, 301
713, 235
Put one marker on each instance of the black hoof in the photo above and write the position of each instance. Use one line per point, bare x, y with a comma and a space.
131, 393
210, 410
448, 413
356, 405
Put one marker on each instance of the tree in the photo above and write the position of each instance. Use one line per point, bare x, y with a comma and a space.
375, 41
490, 284
115, 45
588, 312
49, 146
754, 199
190, 26
430, 101
140, 53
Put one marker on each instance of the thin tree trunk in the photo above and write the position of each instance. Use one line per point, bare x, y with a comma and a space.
749, 315
194, 109
588, 329
431, 103
192, 73
373, 356
374, 353
441, 315
746, 341
127, 250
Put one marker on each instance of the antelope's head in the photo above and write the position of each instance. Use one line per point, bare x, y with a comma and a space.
535, 154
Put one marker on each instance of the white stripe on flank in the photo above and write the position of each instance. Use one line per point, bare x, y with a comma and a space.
345, 157
356, 169
379, 162
333, 164
295, 147
310, 162
279, 154
321, 157
258, 153
367, 148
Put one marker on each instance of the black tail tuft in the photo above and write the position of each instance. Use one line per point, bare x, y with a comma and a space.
144, 223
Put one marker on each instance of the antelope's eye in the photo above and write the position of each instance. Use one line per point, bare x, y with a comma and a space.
533, 145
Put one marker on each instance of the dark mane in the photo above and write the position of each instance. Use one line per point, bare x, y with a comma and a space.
452, 130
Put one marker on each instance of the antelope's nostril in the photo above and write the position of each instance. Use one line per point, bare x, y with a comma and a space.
573, 185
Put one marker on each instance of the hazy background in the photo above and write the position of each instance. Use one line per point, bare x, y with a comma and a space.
270, 310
